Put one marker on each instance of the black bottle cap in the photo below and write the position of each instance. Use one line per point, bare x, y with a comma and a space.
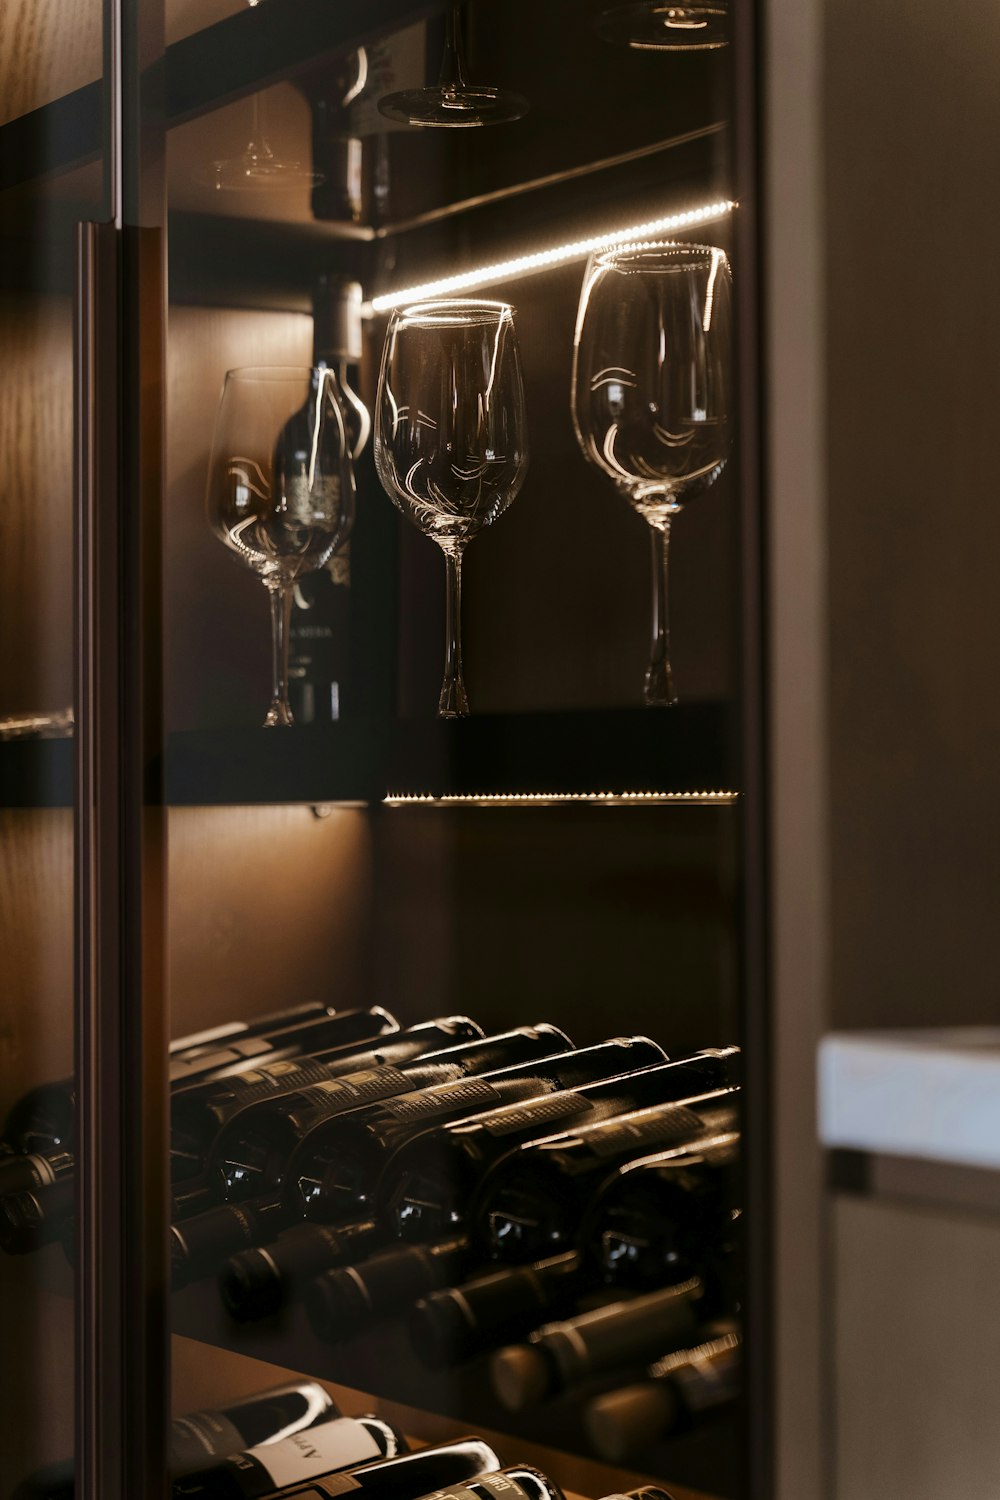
336, 1305
439, 1331
250, 1287
337, 318
521, 1375
621, 1423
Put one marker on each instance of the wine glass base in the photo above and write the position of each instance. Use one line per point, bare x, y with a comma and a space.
658, 26
244, 175
453, 108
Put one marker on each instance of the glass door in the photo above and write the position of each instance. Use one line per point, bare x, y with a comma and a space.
53, 129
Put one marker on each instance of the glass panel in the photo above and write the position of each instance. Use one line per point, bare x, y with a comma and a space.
551, 882
50, 178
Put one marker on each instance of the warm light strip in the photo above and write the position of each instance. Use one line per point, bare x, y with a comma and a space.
541, 799
540, 260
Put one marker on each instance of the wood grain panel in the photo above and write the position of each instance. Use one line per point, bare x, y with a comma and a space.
267, 906
36, 485
36, 940
47, 48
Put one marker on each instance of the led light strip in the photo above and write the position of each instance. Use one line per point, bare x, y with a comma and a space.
540, 260
541, 799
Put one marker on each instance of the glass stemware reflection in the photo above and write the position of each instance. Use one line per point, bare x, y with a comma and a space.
453, 103
651, 392
666, 26
281, 487
450, 437
259, 168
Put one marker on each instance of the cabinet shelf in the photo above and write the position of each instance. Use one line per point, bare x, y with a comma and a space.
636, 756
488, 756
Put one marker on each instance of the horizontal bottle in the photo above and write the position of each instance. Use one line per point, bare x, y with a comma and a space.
26, 1174
532, 1203
300, 1039
254, 1283
265, 1417
447, 1467
516, 1483
333, 1446
255, 1152
666, 1217
185, 1199
42, 1121
199, 1111
273, 1021
430, 1181
338, 1172
644, 1492
343, 1302
564, 1354
457, 1322
679, 1390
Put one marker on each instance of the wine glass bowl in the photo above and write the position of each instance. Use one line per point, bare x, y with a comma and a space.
281, 486
450, 435
651, 391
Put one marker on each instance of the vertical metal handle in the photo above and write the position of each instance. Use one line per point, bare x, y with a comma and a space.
121, 1306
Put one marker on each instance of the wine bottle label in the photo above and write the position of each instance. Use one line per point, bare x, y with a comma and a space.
537, 1112
357, 1088
203, 1434
493, 1484
654, 1127
473, 1092
247, 1088
341, 1444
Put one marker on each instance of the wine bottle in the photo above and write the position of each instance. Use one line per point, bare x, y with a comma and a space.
36, 1218
42, 1119
301, 1039
343, 1302
449, 1466
679, 1390
342, 1443
319, 651
265, 1417
253, 1154
563, 1354
199, 1111
430, 1181
644, 1492
29, 1220
338, 1169
516, 1483
25, 1174
666, 1217
532, 1203
456, 1322
256, 1282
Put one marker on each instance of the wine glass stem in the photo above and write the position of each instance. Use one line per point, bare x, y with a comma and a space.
452, 73
659, 689
453, 702
281, 616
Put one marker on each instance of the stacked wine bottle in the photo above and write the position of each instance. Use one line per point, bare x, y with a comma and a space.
568, 1215
294, 1441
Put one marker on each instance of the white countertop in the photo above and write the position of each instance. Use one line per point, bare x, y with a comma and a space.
930, 1094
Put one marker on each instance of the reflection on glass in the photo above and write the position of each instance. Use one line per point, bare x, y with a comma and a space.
259, 167
453, 103
281, 487
657, 26
651, 392
450, 436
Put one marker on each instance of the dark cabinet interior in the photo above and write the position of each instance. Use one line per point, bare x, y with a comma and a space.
563, 855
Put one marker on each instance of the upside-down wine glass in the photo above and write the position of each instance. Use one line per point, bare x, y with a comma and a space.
281, 487
651, 392
666, 26
450, 437
453, 103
